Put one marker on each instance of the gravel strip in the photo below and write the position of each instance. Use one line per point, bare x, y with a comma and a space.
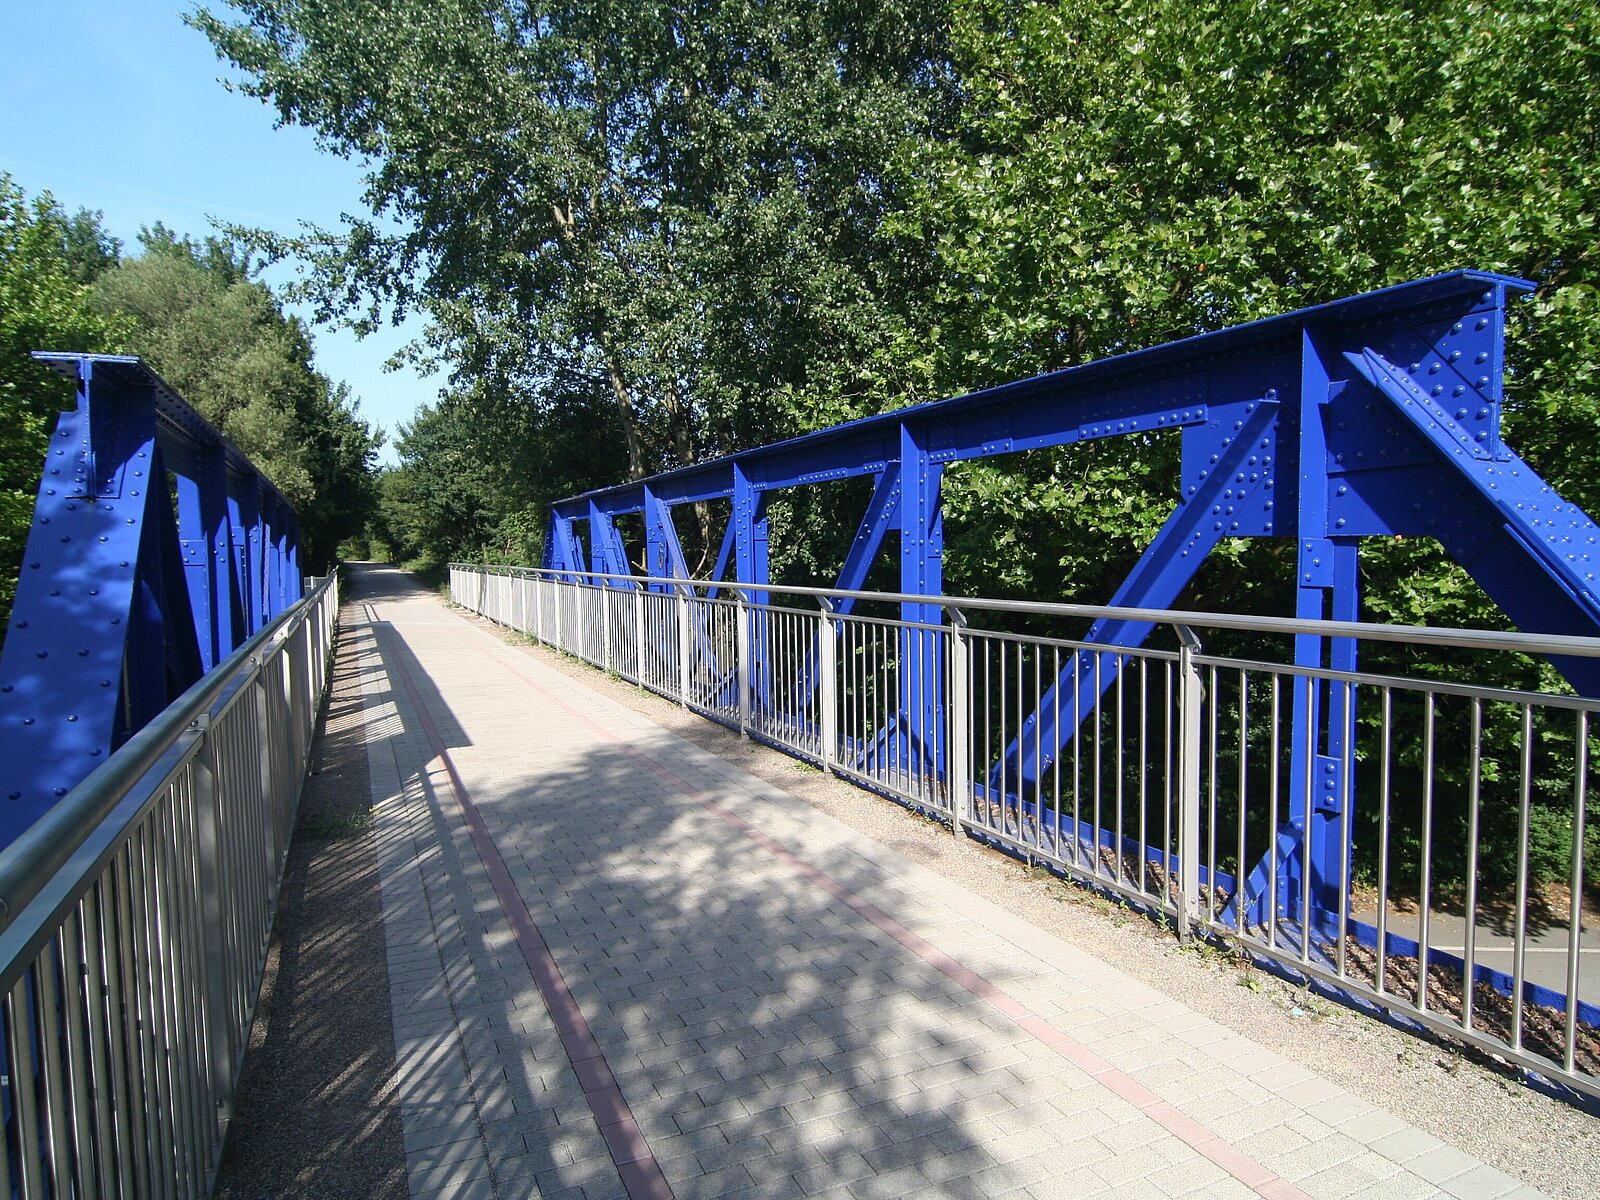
1488, 1114
316, 1113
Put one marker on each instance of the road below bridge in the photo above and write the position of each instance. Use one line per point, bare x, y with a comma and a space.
618, 964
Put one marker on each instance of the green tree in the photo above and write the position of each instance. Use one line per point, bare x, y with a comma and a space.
478, 470
679, 207
220, 337
46, 261
1133, 171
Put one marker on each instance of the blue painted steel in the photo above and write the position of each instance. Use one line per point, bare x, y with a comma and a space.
920, 740
123, 602
1371, 416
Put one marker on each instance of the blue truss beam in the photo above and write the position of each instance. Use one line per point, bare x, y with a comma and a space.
123, 602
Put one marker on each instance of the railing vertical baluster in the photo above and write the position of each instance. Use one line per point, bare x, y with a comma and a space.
1469, 944
605, 624
959, 753
685, 645
1519, 927
1580, 793
828, 683
639, 638
1191, 694
742, 678
210, 873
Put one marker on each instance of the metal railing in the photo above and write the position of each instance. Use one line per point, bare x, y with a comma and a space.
1427, 856
134, 923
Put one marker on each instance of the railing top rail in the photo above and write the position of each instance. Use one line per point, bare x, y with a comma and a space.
28, 864
1472, 639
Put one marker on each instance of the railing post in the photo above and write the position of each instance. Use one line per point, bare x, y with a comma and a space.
685, 646
1191, 698
639, 639
220, 1034
828, 682
536, 584
741, 634
960, 748
605, 621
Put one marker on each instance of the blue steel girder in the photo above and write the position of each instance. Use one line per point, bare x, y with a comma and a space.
122, 602
920, 740
663, 550
883, 512
748, 525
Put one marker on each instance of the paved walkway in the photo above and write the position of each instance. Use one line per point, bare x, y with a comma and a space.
621, 967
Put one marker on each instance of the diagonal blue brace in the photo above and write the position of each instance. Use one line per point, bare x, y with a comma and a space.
1539, 559
663, 551
883, 511
1165, 568
610, 556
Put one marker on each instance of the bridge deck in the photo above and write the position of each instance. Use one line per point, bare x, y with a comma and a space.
621, 966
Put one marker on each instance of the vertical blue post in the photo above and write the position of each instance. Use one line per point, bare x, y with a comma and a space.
922, 574
609, 553
243, 515
663, 554
561, 550
280, 554
749, 525
201, 494
1335, 783
292, 583
1325, 588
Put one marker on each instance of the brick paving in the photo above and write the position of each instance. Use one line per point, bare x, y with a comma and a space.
620, 966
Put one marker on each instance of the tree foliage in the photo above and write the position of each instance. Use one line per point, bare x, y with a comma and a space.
737, 222
1133, 171
195, 312
222, 340
733, 222
478, 472
678, 207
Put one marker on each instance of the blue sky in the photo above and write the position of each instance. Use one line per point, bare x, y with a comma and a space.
115, 105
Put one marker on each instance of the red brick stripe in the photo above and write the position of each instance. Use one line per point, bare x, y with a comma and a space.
637, 1165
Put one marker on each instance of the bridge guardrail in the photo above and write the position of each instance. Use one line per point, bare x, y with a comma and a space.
1184, 786
136, 916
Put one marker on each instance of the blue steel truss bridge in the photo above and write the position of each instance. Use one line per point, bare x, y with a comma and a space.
1375, 822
